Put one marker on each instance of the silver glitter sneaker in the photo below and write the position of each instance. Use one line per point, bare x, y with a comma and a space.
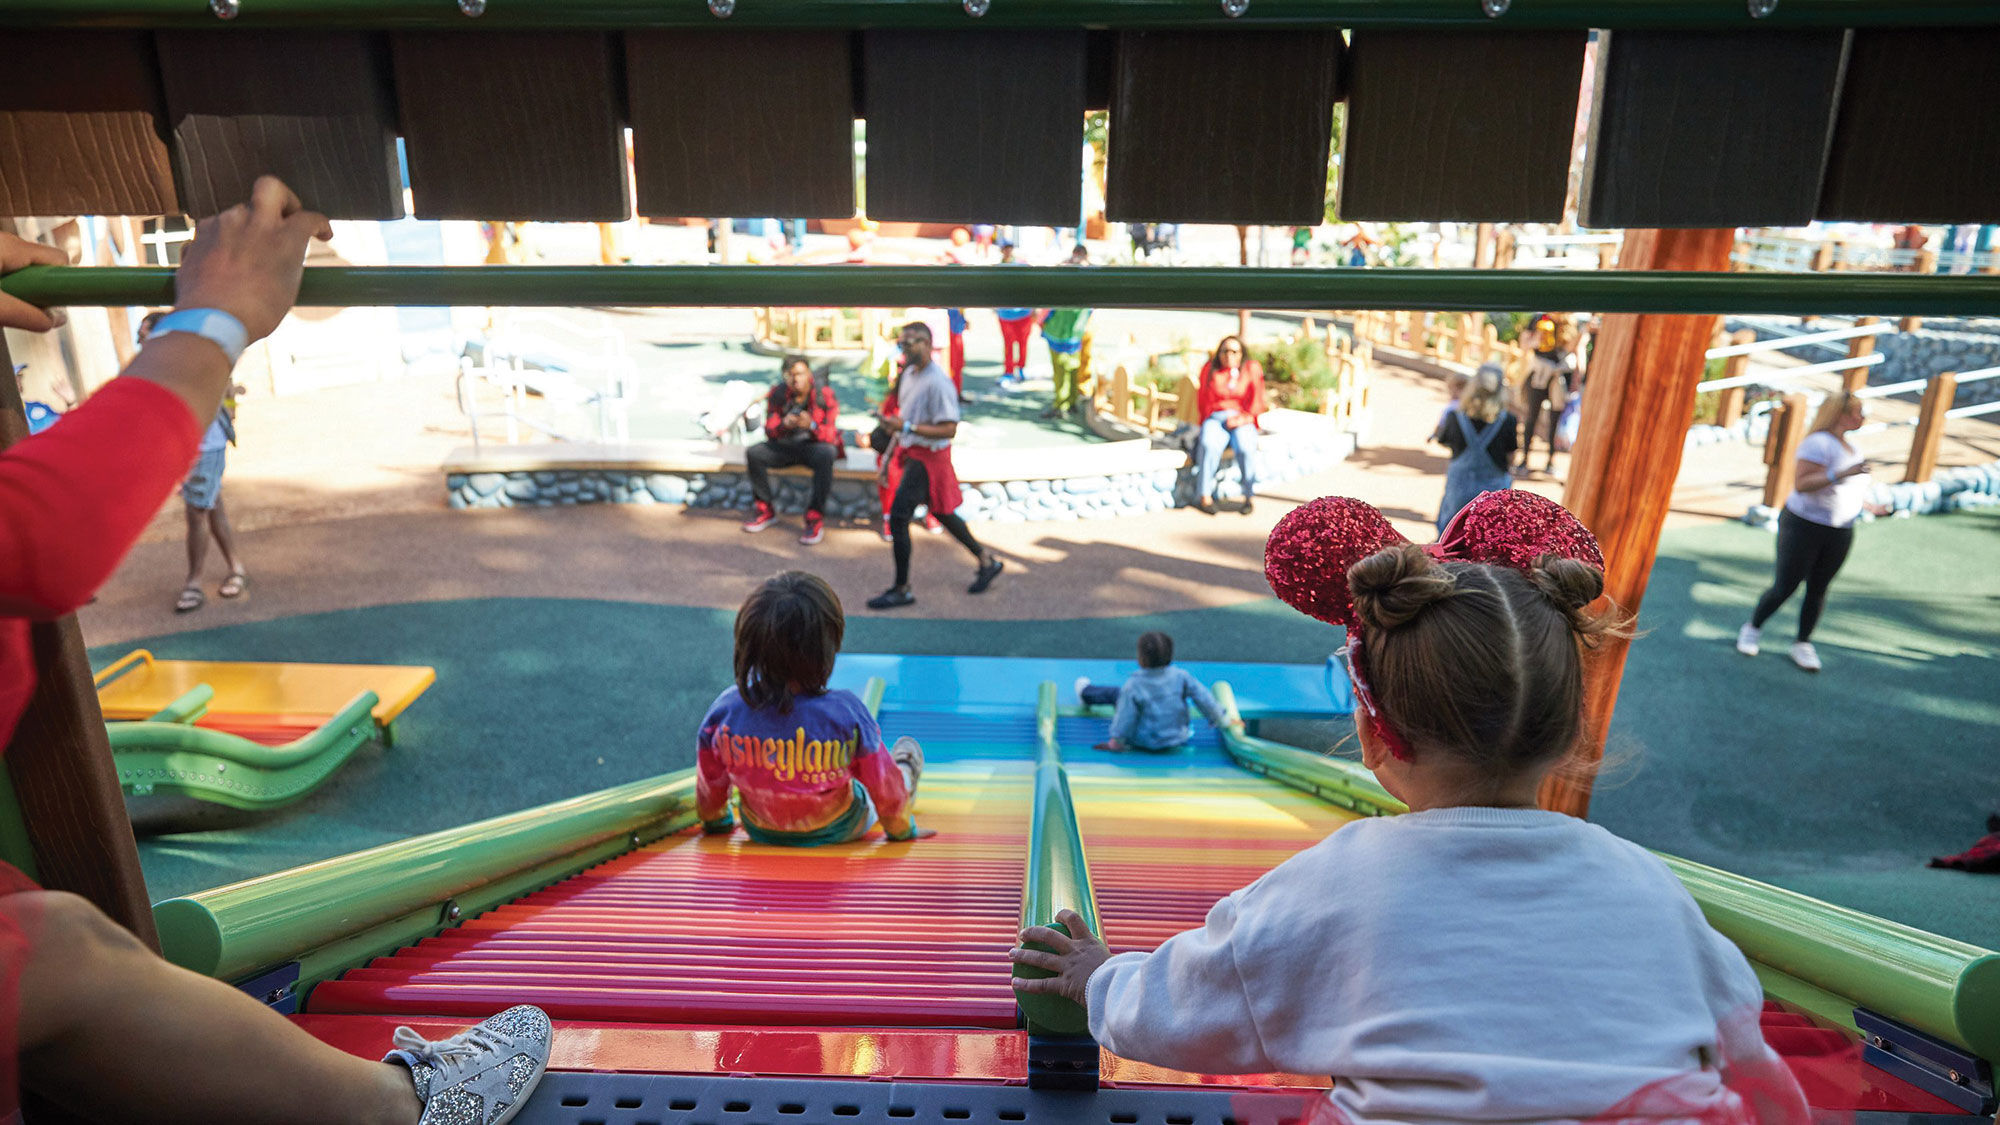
482, 1075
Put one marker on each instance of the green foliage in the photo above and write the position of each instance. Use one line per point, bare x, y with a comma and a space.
1297, 373
1333, 162
1509, 325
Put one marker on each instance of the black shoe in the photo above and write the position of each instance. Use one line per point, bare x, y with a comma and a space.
892, 598
1204, 505
1248, 506
988, 571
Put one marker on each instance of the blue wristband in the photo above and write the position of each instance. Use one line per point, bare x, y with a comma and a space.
909, 427
224, 330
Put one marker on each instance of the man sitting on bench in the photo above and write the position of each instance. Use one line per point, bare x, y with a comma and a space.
800, 428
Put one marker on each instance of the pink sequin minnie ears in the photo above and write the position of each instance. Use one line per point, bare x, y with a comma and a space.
1309, 553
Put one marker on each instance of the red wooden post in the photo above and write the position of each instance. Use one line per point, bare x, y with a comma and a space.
1628, 451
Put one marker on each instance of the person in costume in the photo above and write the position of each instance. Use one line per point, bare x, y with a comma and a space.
807, 764
1477, 958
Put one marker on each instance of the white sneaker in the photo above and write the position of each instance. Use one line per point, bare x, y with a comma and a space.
908, 754
1804, 656
1081, 683
1747, 638
482, 1075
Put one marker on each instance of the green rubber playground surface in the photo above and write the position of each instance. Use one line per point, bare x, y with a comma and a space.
1839, 785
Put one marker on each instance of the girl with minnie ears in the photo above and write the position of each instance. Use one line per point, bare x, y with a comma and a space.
1477, 958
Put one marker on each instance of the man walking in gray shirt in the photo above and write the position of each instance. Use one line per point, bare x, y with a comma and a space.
928, 406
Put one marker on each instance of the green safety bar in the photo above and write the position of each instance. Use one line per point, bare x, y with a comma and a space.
621, 14
1826, 958
192, 705
1058, 877
234, 931
173, 756
1606, 291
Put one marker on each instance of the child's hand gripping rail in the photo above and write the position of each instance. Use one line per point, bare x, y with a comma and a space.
1060, 1051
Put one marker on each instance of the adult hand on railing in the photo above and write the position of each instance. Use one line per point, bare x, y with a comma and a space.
247, 261
1075, 956
18, 253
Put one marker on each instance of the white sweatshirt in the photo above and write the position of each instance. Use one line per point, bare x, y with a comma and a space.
1462, 964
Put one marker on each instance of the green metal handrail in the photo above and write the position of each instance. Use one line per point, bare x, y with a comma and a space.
1343, 783
621, 14
1606, 291
232, 931
192, 705
1801, 946
227, 769
1058, 877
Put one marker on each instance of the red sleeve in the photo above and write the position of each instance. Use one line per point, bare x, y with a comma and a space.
711, 781
74, 497
774, 413
1204, 395
829, 421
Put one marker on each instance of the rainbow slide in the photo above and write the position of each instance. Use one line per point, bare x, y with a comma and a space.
711, 980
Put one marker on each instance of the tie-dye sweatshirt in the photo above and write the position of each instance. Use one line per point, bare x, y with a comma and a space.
795, 772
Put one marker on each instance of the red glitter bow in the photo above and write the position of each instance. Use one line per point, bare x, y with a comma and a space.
1309, 553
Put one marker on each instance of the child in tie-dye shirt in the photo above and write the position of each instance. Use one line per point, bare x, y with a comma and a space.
807, 764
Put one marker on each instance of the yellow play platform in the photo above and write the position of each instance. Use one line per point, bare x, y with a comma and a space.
269, 696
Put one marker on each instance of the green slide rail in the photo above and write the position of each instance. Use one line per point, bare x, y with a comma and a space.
1141, 287
1825, 959
167, 754
191, 706
1058, 877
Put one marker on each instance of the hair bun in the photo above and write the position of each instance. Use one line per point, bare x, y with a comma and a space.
1568, 583
1395, 584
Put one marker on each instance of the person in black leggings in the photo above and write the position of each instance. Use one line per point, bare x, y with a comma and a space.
1816, 529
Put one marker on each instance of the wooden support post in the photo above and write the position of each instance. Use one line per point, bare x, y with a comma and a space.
1909, 324
1627, 455
1729, 401
1855, 378
1503, 250
1938, 395
1781, 449
59, 760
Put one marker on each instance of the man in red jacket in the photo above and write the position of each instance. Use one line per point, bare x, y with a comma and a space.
801, 427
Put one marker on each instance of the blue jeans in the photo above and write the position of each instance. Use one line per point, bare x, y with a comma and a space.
1208, 453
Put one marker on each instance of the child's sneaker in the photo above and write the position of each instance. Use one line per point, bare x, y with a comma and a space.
1805, 656
815, 531
932, 525
1747, 638
908, 755
887, 535
1081, 683
482, 1075
761, 519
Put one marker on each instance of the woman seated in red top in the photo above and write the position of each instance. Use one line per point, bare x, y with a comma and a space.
90, 1018
1229, 399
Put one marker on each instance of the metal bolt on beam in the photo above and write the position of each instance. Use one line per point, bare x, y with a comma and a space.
1494, 9
722, 9
1235, 8
225, 9
977, 8
1761, 8
472, 8
451, 913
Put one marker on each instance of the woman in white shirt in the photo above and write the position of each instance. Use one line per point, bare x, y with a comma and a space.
1817, 526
